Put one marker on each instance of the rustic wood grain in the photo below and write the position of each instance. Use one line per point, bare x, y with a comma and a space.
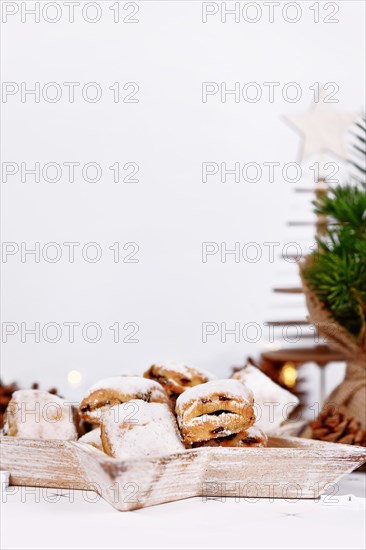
289, 467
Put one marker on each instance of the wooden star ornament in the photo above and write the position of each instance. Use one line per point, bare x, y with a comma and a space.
323, 130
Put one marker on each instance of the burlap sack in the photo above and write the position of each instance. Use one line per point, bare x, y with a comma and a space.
351, 393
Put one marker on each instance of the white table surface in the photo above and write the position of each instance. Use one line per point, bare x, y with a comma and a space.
30, 520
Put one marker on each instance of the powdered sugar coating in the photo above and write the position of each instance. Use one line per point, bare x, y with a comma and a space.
125, 384
184, 370
267, 392
36, 414
225, 421
255, 431
228, 387
92, 438
140, 429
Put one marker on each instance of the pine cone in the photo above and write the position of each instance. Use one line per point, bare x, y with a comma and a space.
335, 426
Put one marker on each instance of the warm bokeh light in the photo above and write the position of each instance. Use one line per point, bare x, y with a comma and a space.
288, 374
74, 378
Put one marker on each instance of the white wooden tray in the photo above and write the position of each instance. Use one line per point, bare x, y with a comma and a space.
289, 467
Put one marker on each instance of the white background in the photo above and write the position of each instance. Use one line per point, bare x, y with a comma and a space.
170, 212
59, 519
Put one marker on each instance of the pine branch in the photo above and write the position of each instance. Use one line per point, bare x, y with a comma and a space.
337, 272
